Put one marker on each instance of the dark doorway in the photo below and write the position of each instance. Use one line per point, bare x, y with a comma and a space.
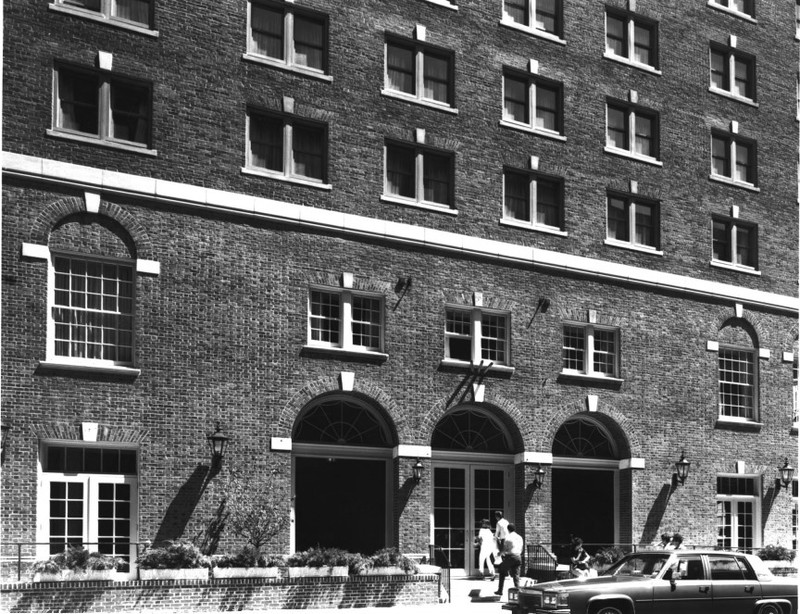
583, 506
340, 503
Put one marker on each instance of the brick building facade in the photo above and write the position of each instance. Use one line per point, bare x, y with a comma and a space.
496, 237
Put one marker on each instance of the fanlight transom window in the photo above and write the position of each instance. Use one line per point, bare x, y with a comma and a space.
583, 438
471, 430
343, 422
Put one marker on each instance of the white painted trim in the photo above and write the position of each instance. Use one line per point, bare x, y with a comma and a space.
112, 182
411, 451
764, 353
281, 444
32, 250
788, 357
712, 346
528, 458
148, 267
631, 463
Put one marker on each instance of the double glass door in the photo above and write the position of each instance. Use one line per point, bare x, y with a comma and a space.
463, 496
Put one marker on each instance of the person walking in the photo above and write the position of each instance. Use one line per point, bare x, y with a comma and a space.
512, 557
500, 529
485, 541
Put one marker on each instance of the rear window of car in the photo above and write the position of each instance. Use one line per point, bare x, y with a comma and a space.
760, 568
730, 568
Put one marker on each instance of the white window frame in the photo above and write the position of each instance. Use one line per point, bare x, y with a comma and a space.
90, 502
733, 225
533, 85
631, 21
589, 351
631, 113
419, 178
57, 359
721, 415
731, 141
287, 142
346, 321
420, 51
106, 15
735, 500
532, 27
104, 134
475, 336
727, 6
289, 61
632, 204
533, 190
731, 57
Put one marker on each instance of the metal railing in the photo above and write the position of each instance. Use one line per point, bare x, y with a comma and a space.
438, 557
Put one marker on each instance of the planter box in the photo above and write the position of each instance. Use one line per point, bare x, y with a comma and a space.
317, 572
385, 571
48, 577
91, 575
246, 572
200, 573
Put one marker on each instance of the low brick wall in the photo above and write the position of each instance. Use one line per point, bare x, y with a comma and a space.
220, 595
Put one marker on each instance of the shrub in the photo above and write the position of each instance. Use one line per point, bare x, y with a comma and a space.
48, 566
174, 555
776, 553
246, 557
73, 558
392, 557
319, 557
255, 507
78, 559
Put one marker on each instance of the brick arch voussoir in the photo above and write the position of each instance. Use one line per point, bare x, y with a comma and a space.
752, 318
142, 240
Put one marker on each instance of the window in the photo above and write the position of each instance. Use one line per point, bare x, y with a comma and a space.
541, 15
98, 105
738, 512
632, 129
88, 497
735, 242
730, 568
733, 72
92, 311
737, 383
745, 7
419, 174
631, 38
345, 319
533, 102
533, 199
590, 350
289, 36
133, 12
419, 71
286, 146
474, 335
633, 221
733, 158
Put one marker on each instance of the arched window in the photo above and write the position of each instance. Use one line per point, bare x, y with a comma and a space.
471, 430
342, 421
584, 438
738, 371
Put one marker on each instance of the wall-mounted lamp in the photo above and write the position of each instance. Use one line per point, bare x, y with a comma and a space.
416, 471
217, 441
682, 469
4, 429
785, 474
538, 477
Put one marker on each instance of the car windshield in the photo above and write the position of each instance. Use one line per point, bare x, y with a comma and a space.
647, 565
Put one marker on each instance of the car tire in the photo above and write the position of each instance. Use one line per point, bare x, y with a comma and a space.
770, 608
610, 609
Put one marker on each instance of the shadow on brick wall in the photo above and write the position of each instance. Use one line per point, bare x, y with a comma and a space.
655, 516
182, 507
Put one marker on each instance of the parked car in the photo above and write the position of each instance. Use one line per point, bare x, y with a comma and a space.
666, 582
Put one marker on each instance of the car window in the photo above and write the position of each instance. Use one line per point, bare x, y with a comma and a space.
691, 568
725, 568
638, 565
760, 568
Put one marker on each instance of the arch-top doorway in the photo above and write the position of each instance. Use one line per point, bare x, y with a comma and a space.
585, 481
473, 475
342, 476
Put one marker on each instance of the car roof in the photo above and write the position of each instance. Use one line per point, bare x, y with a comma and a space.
688, 551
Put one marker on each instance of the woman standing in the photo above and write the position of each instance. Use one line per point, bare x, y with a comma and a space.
485, 541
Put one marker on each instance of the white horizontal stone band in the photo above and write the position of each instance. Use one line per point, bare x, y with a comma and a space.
411, 451
158, 190
542, 458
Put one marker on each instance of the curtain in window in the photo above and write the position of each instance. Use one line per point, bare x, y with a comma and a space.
515, 92
517, 11
744, 255
133, 10
618, 219
743, 166
308, 42
741, 82
89, 5
436, 83
548, 199
436, 178
307, 150
266, 143
546, 108
719, 70
644, 136
266, 31
400, 163
130, 113
645, 226
720, 156
616, 36
400, 68
642, 47
546, 15
721, 242
78, 102
617, 135
517, 197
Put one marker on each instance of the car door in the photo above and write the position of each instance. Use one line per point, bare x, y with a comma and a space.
735, 587
685, 587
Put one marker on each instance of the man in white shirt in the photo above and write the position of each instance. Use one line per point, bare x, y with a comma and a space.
500, 530
512, 557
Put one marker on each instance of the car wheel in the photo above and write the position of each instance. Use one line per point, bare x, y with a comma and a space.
611, 609
770, 608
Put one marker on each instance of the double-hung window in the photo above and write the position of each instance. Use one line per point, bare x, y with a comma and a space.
732, 72
742, 7
738, 512
735, 242
345, 319
633, 221
91, 319
532, 102
476, 335
418, 174
535, 15
419, 71
286, 146
733, 158
120, 12
288, 36
533, 199
94, 104
631, 38
632, 129
738, 377
88, 497
589, 349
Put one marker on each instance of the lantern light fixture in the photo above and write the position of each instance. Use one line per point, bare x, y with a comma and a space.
682, 469
538, 477
416, 471
217, 441
785, 474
